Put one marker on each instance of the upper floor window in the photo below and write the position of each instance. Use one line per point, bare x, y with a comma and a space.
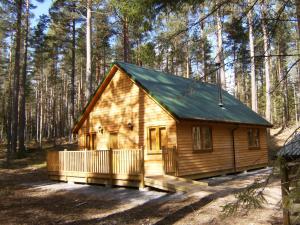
253, 138
202, 138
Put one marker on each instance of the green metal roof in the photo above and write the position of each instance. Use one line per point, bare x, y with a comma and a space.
191, 99
291, 147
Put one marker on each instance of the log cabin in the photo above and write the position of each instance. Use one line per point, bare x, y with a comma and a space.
180, 124
138, 107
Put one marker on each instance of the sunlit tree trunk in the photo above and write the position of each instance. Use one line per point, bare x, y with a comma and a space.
88, 90
22, 118
220, 54
268, 113
73, 76
296, 105
298, 45
16, 87
125, 39
252, 56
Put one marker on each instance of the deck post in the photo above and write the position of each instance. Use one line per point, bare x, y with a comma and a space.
285, 191
85, 165
142, 168
65, 160
110, 157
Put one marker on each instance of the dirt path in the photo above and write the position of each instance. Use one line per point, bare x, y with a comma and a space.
28, 197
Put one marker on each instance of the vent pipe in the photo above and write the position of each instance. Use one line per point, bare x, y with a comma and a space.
218, 78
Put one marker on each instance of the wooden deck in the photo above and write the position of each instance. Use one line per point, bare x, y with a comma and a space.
122, 167
173, 184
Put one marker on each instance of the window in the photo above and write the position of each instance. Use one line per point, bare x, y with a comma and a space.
87, 141
202, 138
162, 138
113, 141
157, 139
253, 138
152, 136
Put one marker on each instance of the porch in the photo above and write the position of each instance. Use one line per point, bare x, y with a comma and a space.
122, 167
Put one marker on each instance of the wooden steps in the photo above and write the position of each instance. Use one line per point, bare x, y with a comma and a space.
173, 184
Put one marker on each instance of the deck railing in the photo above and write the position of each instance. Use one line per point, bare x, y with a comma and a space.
110, 163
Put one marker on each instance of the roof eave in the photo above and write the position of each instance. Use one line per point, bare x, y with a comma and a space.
229, 122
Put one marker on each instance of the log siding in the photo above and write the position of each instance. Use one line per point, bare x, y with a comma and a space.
124, 102
221, 159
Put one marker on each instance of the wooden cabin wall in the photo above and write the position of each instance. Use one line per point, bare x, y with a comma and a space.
221, 159
123, 102
194, 163
245, 157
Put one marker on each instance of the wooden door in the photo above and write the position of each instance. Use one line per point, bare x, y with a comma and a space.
93, 141
113, 141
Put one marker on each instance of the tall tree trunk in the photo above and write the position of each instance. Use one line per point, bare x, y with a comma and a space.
125, 40
73, 75
9, 107
40, 108
235, 72
251, 44
22, 118
266, 62
298, 45
88, 90
188, 66
284, 89
202, 45
220, 54
296, 105
16, 88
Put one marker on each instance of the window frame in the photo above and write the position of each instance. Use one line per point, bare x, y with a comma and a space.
87, 141
158, 139
258, 136
202, 150
93, 144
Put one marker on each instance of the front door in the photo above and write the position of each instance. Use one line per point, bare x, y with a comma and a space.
113, 141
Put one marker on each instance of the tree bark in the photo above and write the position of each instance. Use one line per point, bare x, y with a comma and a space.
9, 107
22, 118
284, 88
296, 105
73, 73
15, 111
88, 90
220, 54
252, 56
298, 44
266, 63
125, 40
188, 66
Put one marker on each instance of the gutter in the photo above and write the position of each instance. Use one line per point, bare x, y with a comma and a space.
233, 148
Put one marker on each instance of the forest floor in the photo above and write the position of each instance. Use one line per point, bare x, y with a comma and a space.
28, 197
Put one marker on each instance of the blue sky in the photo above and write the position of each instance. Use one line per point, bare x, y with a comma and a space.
42, 8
